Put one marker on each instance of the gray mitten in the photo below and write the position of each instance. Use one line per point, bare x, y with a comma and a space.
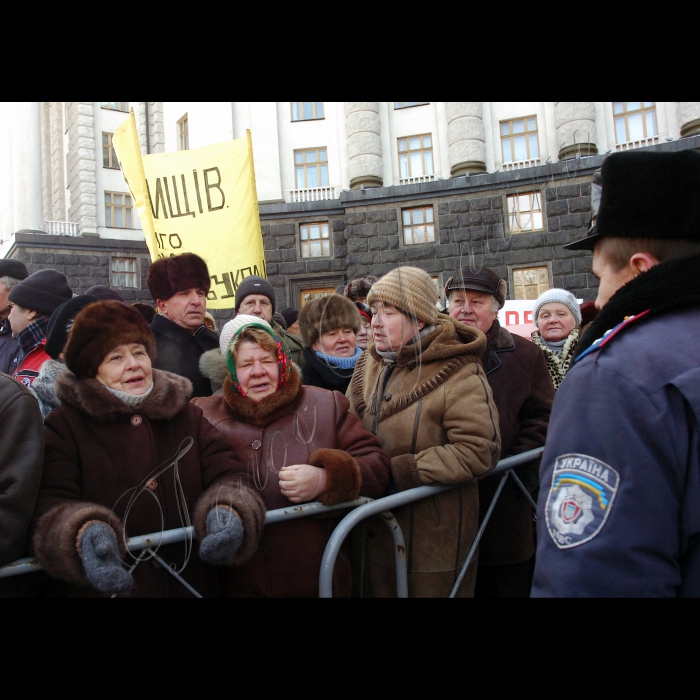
100, 555
225, 534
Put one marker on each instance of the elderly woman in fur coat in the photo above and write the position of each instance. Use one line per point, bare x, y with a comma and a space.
300, 444
127, 453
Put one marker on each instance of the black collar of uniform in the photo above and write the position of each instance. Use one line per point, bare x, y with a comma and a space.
165, 326
669, 286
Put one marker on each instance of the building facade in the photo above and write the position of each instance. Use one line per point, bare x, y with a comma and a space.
345, 188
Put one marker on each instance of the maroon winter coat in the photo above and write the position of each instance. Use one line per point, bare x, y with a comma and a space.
297, 425
523, 392
100, 452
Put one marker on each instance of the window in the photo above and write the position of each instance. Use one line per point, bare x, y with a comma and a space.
415, 156
124, 272
519, 139
307, 295
311, 166
109, 157
117, 106
402, 105
530, 282
525, 212
301, 111
118, 210
418, 225
634, 121
315, 240
183, 135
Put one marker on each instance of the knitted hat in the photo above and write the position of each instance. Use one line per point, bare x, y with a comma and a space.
103, 293
61, 322
325, 314
255, 285
483, 280
230, 328
290, 316
647, 195
559, 296
365, 311
168, 276
13, 268
280, 320
357, 289
43, 292
98, 329
409, 289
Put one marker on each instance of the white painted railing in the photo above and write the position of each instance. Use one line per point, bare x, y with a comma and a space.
418, 178
61, 228
639, 143
519, 164
312, 194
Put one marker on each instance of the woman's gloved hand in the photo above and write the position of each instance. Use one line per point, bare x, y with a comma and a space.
100, 554
224, 538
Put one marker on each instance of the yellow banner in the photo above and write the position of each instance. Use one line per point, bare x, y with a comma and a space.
201, 201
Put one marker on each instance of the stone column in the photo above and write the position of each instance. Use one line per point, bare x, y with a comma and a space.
689, 118
26, 167
80, 125
58, 162
576, 130
365, 165
156, 127
466, 138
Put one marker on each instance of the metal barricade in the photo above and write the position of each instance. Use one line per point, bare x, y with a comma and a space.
362, 508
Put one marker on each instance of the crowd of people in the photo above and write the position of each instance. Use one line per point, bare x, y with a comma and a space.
119, 420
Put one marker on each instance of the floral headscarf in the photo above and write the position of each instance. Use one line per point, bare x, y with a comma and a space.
284, 359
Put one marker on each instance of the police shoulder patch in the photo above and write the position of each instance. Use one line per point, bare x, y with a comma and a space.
580, 499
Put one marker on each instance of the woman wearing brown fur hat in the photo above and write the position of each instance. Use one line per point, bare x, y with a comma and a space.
127, 452
329, 326
301, 444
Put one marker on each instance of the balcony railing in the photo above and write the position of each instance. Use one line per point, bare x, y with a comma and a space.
639, 143
61, 228
418, 178
311, 194
520, 164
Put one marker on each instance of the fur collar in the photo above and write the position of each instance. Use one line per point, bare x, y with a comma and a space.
669, 286
270, 409
449, 339
169, 396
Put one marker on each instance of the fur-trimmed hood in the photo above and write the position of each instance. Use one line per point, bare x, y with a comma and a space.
449, 339
169, 396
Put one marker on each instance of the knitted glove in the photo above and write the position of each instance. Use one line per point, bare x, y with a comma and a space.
100, 555
225, 536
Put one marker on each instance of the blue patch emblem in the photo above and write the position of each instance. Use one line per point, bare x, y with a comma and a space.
580, 499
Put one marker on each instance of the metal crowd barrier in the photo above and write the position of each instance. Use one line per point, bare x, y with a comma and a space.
363, 508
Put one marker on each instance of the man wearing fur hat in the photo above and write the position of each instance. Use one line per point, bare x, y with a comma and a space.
33, 301
523, 393
421, 389
255, 296
619, 507
12, 272
179, 286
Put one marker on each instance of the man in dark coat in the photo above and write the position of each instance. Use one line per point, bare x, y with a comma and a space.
255, 296
21, 462
523, 392
12, 272
619, 508
179, 286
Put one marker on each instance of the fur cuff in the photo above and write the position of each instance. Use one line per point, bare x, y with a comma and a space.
244, 501
56, 534
343, 476
405, 472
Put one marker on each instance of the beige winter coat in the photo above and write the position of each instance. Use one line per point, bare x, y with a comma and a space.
437, 420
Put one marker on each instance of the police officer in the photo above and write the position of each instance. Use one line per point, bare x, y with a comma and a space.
619, 506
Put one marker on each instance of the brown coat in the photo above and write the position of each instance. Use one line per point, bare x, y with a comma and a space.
438, 421
523, 392
100, 452
297, 425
